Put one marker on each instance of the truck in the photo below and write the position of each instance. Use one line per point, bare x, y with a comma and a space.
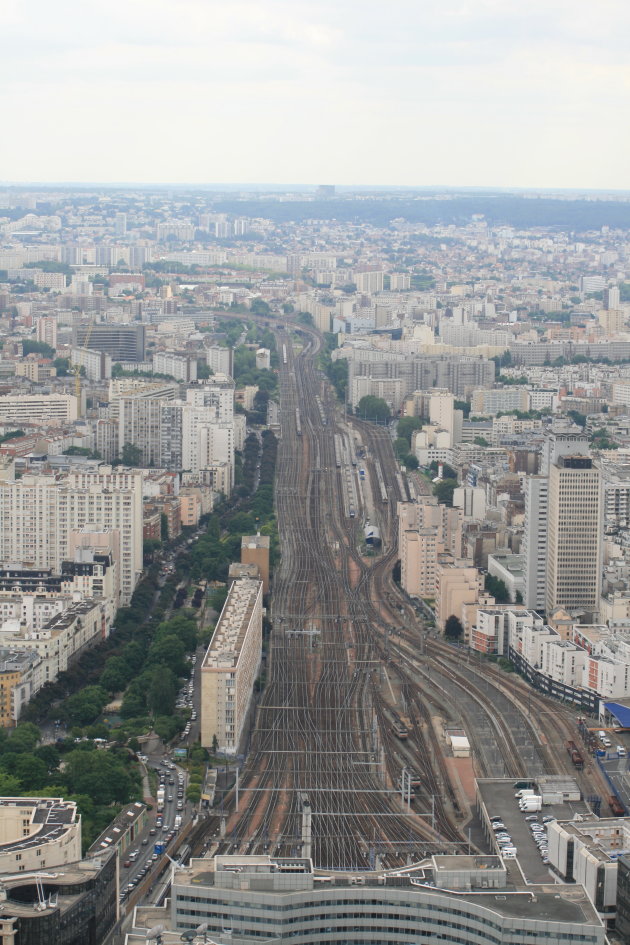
160, 800
530, 805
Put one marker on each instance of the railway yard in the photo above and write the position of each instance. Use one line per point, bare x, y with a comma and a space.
347, 760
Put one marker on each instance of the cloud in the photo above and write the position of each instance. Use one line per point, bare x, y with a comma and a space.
482, 92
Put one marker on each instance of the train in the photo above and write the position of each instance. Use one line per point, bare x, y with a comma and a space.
400, 730
381, 482
322, 412
616, 806
284, 354
412, 793
298, 422
338, 451
575, 755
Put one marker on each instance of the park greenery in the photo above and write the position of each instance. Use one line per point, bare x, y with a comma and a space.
336, 371
374, 409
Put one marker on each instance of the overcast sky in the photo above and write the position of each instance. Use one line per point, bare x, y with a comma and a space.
529, 93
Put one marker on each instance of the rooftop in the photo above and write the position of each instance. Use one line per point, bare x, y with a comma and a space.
49, 817
231, 629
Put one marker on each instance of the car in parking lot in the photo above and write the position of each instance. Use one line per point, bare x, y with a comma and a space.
532, 817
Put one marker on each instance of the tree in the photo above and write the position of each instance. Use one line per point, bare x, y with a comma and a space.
406, 426
444, 490
401, 448
411, 461
115, 675
481, 441
62, 366
131, 455
497, 587
453, 628
37, 347
373, 408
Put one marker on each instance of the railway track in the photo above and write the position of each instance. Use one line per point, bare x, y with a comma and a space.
323, 733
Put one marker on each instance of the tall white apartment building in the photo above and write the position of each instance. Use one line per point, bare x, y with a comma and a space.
220, 360
574, 543
180, 366
535, 541
46, 330
230, 666
206, 442
38, 515
216, 396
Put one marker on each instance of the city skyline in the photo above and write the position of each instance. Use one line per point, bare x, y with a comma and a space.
463, 95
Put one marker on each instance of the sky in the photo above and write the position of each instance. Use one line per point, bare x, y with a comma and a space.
505, 93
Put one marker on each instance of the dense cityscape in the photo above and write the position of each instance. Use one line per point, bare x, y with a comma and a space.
314, 566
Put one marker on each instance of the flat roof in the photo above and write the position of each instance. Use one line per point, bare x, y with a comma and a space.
497, 795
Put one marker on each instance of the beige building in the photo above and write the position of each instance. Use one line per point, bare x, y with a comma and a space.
230, 666
21, 676
418, 561
255, 550
456, 584
574, 543
38, 833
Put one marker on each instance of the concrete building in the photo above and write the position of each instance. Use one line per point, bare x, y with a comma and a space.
255, 550
510, 569
21, 676
219, 359
456, 584
230, 667
97, 364
38, 833
120, 342
487, 403
587, 853
263, 359
180, 366
574, 546
62, 639
467, 900
38, 515
471, 500
46, 409
419, 551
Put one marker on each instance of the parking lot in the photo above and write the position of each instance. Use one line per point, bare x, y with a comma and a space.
499, 800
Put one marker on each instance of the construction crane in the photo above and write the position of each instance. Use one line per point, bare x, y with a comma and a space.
76, 368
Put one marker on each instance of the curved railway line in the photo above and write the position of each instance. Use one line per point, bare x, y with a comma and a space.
324, 734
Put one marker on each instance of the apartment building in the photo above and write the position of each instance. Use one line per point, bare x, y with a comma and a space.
574, 545
21, 676
38, 515
180, 366
230, 666
61, 640
45, 409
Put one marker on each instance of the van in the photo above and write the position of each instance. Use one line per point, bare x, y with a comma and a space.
528, 792
621, 751
509, 853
